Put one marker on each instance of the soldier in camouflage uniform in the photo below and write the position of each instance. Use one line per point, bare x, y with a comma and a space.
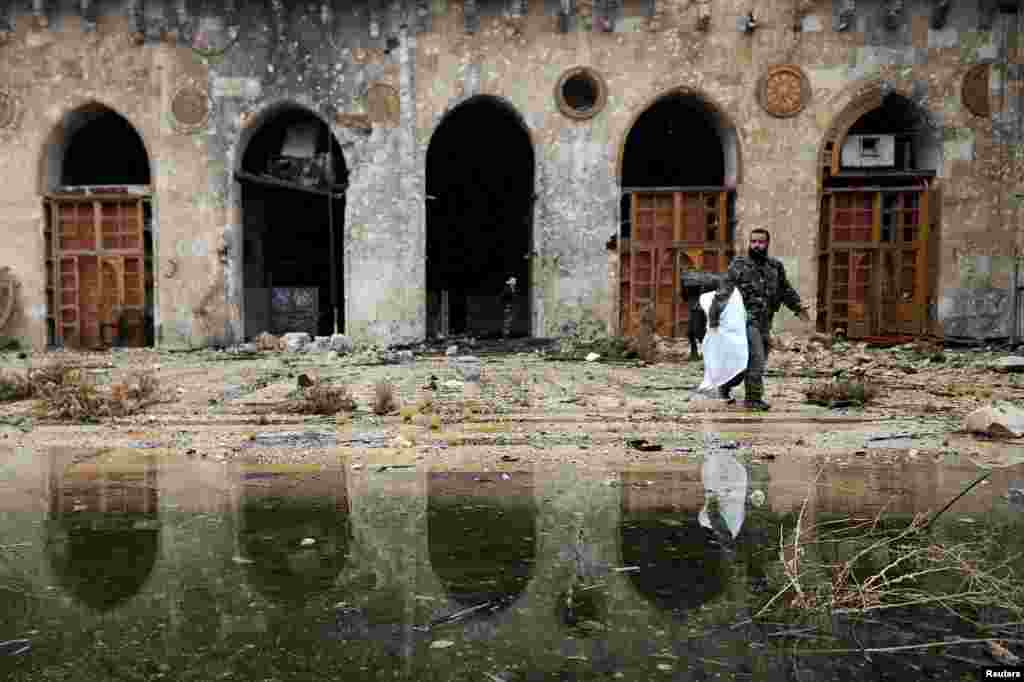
764, 287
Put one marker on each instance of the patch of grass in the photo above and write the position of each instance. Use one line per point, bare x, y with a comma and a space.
321, 398
384, 401
841, 393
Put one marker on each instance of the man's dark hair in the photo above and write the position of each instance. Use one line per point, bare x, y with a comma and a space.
761, 230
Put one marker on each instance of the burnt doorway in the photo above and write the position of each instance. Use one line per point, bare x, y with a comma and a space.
876, 242
293, 178
480, 194
679, 168
98, 233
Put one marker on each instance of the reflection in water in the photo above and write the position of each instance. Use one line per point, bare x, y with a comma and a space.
295, 531
103, 536
725, 495
678, 568
482, 535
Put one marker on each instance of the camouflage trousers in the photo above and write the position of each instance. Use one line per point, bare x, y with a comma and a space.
758, 346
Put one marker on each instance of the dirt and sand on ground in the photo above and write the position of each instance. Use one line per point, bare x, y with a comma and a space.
531, 408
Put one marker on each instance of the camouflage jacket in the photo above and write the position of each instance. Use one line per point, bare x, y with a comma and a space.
764, 288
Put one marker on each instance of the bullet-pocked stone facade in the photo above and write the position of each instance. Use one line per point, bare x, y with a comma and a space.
382, 76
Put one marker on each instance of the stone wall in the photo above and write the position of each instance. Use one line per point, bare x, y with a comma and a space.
252, 58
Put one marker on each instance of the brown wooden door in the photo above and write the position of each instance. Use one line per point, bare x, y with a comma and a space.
99, 270
672, 231
873, 262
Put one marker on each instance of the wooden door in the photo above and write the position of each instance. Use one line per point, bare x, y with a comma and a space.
672, 231
873, 262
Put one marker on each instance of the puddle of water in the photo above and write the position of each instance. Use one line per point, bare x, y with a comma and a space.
139, 566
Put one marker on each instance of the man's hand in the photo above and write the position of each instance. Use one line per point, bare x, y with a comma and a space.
803, 315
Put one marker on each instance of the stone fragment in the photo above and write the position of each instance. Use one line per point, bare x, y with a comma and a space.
1011, 363
1001, 420
296, 341
341, 344
468, 367
452, 351
320, 344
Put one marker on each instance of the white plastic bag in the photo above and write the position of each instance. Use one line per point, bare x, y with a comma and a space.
725, 480
725, 348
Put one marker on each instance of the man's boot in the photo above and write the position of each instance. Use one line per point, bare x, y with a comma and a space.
723, 393
757, 405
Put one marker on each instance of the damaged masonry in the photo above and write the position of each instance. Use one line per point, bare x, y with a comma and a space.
184, 175
352, 336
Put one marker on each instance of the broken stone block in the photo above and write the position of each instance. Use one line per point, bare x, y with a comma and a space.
295, 341
341, 344
320, 344
1012, 363
468, 367
1001, 420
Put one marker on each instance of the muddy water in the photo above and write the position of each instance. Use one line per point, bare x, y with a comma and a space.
145, 565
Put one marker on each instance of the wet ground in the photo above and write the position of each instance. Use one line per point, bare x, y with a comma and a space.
563, 521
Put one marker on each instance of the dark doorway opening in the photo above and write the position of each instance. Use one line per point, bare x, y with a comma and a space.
99, 233
293, 206
877, 231
675, 143
480, 193
105, 150
676, 210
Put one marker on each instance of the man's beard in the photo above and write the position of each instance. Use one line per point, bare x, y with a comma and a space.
758, 254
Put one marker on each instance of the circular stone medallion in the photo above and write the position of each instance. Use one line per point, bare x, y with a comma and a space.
190, 108
784, 90
974, 91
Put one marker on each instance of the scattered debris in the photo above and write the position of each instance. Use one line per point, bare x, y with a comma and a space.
834, 394
1011, 363
1000, 420
468, 367
321, 398
643, 445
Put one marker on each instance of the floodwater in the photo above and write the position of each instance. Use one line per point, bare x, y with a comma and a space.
146, 565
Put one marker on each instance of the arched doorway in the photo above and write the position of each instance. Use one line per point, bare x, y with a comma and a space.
878, 209
480, 194
99, 232
680, 167
293, 178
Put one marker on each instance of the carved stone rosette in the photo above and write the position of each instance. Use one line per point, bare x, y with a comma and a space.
974, 90
784, 90
191, 107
